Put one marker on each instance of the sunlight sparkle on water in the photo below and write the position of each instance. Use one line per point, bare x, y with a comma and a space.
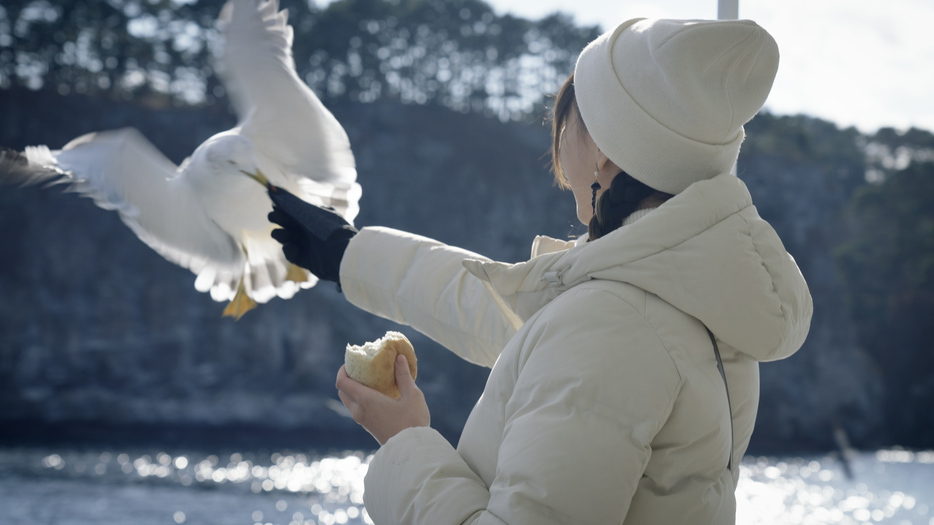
38, 486
884, 489
332, 486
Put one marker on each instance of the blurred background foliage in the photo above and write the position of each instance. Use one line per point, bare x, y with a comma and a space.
442, 99
888, 268
455, 53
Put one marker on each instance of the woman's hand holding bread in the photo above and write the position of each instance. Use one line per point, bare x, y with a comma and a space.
381, 413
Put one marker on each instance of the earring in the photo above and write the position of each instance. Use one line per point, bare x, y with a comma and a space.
595, 186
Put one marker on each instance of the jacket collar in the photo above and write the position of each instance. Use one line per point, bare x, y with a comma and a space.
702, 227
558, 265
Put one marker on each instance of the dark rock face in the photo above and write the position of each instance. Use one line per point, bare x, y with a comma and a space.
97, 328
830, 380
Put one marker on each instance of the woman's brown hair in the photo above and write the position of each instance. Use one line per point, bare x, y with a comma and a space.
565, 103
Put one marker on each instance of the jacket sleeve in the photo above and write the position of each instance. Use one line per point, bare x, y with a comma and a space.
422, 283
590, 396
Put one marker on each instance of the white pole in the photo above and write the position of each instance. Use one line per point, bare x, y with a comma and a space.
727, 9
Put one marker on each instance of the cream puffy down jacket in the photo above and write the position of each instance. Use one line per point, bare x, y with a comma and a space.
604, 404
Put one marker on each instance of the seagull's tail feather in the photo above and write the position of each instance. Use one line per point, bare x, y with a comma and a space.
261, 280
265, 275
268, 274
278, 278
36, 165
222, 284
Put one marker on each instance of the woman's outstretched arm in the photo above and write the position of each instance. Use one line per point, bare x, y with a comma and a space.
422, 283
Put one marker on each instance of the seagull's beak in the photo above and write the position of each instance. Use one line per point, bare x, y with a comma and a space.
258, 177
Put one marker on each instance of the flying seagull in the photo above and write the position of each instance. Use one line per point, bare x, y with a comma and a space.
209, 214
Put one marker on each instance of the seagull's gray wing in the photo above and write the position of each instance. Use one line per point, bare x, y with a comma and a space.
279, 113
122, 171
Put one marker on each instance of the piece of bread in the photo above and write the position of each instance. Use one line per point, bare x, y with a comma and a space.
374, 364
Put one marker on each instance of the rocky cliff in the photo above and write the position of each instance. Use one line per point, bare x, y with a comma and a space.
97, 329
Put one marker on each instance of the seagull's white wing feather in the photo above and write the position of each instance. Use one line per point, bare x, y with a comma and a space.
279, 113
123, 171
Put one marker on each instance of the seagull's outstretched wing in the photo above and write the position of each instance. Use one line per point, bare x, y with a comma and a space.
123, 171
279, 113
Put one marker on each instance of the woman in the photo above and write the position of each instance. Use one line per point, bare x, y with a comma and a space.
607, 402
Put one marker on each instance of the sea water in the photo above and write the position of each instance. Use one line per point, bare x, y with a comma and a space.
70, 486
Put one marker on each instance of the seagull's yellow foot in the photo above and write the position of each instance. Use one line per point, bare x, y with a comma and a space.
258, 177
241, 304
296, 274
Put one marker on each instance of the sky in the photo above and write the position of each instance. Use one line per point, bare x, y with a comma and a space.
863, 63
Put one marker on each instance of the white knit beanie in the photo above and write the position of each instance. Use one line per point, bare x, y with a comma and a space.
666, 100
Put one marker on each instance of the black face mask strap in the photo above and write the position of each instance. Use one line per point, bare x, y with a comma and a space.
716, 351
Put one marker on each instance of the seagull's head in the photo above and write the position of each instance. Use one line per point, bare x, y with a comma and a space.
229, 153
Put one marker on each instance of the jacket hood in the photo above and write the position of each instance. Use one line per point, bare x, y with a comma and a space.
705, 251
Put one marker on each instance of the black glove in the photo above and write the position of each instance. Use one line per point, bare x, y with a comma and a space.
312, 237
